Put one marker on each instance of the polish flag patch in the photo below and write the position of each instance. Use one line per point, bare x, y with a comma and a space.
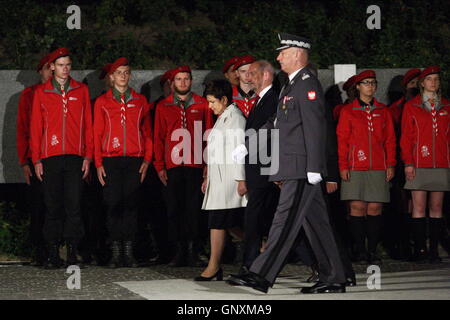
311, 95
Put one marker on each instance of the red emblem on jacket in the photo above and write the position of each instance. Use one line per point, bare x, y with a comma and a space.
311, 95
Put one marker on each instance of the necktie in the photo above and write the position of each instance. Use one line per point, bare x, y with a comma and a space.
257, 100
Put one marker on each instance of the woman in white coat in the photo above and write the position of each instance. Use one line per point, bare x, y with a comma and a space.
224, 184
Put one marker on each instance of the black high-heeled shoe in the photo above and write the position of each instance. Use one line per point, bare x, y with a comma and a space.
218, 276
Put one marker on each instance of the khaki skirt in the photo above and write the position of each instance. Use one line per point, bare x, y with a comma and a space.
368, 186
430, 179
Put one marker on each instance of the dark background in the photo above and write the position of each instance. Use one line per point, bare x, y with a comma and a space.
160, 34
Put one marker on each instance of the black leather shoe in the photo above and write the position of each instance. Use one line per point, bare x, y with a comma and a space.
251, 280
314, 277
322, 287
53, 260
350, 281
218, 276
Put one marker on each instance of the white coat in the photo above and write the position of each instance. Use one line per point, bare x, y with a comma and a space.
223, 173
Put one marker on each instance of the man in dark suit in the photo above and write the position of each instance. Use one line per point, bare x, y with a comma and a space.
262, 194
301, 123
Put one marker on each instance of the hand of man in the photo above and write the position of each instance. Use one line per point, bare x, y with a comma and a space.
101, 174
163, 176
331, 187
85, 168
239, 153
27, 173
39, 170
314, 177
143, 170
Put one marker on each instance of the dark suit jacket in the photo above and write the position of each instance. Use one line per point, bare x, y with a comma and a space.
302, 124
258, 116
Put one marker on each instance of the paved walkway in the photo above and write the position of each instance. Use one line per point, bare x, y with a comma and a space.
399, 280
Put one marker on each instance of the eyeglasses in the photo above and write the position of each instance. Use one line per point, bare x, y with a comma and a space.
369, 83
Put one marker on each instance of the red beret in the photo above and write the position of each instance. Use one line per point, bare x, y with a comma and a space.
411, 74
168, 75
58, 53
118, 63
349, 83
364, 75
42, 62
243, 61
184, 68
229, 63
105, 71
429, 70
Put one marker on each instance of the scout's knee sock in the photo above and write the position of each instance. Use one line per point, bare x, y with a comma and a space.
358, 233
418, 229
373, 232
436, 233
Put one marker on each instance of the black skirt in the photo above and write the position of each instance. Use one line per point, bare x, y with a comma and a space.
223, 218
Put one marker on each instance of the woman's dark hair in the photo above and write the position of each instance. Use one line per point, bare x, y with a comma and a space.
218, 89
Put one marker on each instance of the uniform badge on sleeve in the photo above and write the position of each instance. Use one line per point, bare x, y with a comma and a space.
311, 95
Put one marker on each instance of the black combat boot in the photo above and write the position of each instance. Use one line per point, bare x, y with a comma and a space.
116, 257
128, 257
180, 258
53, 260
193, 259
72, 253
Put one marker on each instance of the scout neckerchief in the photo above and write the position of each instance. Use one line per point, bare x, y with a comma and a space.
432, 104
62, 89
122, 98
247, 97
368, 107
183, 104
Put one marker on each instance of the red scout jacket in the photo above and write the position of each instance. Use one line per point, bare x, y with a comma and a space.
423, 145
337, 111
366, 140
170, 117
23, 124
244, 104
61, 125
396, 110
122, 130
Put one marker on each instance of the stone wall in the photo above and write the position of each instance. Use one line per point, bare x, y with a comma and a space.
144, 81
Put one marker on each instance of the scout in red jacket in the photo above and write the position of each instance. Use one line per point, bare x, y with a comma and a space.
350, 89
366, 148
425, 145
401, 204
37, 207
123, 151
181, 120
229, 72
409, 82
62, 148
243, 94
